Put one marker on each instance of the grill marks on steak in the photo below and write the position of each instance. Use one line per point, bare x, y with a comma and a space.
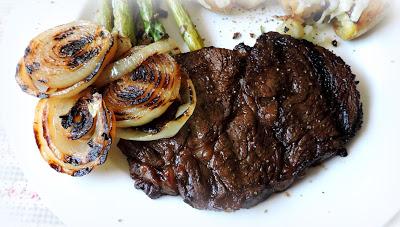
264, 115
199, 163
217, 78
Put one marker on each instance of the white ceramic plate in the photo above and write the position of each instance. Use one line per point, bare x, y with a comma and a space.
360, 190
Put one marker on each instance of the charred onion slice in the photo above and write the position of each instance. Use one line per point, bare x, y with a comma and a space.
74, 134
135, 58
65, 60
171, 128
124, 45
146, 93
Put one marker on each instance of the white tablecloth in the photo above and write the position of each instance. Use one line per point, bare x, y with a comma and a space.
20, 205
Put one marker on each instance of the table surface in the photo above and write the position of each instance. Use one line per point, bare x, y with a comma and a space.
20, 205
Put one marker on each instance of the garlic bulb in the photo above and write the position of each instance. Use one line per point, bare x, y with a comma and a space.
351, 18
225, 6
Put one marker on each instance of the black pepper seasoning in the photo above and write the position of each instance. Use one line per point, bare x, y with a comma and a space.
286, 29
237, 35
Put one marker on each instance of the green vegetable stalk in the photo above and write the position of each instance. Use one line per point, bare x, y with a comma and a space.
152, 27
186, 26
104, 17
123, 20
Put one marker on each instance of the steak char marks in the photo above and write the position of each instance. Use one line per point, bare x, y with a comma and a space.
264, 115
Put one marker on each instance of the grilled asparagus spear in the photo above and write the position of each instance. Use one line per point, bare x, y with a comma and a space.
153, 28
186, 26
104, 16
123, 20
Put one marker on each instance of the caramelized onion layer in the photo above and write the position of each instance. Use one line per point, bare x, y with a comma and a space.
171, 127
134, 59
74, 134
124, 45
65, 60
146, 93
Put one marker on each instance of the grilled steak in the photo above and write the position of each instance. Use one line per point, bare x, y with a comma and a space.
264, 115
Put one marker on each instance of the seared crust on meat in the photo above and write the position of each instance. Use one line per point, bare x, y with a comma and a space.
264, 116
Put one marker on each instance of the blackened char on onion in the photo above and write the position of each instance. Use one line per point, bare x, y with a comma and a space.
264, 116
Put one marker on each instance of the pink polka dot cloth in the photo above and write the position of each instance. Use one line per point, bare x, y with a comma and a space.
20, 205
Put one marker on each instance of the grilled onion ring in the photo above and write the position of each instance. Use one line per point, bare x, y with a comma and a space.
124, 45
74, 134
172, 127
65, 60
146, 93
134, 59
